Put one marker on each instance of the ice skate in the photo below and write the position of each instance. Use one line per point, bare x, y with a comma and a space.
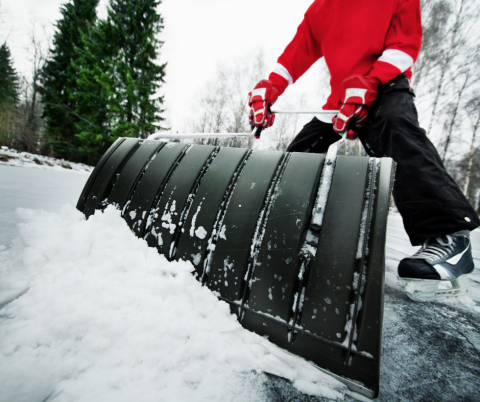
438, 270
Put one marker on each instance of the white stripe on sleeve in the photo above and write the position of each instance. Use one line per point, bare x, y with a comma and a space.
280, 70
396, 57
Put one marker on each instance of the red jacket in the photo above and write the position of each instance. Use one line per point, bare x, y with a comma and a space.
379, 38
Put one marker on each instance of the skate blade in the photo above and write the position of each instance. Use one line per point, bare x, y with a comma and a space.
425, 290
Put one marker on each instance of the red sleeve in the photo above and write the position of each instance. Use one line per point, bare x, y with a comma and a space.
402, 43
299, 55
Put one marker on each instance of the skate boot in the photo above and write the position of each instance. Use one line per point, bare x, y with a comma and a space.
438, 270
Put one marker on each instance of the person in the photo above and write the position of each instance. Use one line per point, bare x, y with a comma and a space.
370, 47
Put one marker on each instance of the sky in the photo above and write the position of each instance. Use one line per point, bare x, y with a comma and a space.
198, 36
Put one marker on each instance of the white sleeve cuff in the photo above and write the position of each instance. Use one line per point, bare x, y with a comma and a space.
397, 58
282, 71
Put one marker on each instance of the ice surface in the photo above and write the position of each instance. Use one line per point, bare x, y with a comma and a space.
36, 189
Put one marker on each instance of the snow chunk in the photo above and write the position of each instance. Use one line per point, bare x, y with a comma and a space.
194, 219
196, 258
222, 235
324, 188
201, 233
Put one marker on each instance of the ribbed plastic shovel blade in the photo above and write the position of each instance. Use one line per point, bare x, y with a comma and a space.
244, 220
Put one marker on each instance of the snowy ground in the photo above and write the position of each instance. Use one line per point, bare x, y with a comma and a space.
106, 318
48, 190
11, 157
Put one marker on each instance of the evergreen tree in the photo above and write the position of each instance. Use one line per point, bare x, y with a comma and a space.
133, 26
117, 77
96, 87
59, 81
9, 81
9, 97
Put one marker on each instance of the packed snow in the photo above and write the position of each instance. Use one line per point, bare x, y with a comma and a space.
90, 312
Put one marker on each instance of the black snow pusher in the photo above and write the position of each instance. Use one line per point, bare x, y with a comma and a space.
294, 242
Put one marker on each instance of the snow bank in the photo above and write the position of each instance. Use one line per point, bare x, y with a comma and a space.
12, 157
90, 313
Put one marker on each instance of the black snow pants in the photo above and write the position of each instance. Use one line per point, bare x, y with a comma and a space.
430, 202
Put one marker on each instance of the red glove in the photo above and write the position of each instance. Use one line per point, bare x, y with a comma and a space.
264, 95
358, 94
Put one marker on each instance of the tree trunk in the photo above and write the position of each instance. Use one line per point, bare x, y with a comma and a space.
448, 59
452, 121
420, 64
34, 101
470, 157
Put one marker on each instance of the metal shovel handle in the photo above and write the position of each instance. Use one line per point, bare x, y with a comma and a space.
169, 135
305, 112
256, 133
